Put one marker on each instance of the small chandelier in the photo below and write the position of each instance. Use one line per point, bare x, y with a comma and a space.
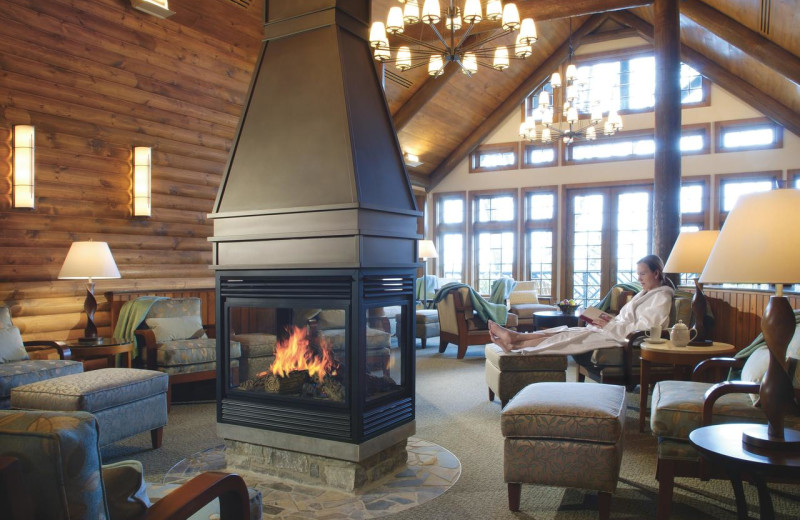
449, 42
545, 125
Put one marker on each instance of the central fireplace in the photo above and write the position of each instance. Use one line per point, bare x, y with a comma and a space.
315, 253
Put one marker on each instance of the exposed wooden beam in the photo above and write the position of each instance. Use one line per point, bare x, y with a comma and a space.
512, 102
550, 10
744, 39
616, 34
748, 93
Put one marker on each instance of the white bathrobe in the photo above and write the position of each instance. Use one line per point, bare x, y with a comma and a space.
646, 309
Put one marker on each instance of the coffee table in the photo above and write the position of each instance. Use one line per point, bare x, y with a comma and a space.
107, 348
668, 354
547, 319
721, 444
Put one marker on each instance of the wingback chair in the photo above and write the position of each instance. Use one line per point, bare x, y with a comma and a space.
678, 407
173, 339
459, 324
16, 366
50, 467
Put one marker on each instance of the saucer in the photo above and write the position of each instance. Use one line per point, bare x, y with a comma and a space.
655, 341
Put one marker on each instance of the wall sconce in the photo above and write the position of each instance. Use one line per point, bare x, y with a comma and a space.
411, 160
24, 148
141, 181
159, 8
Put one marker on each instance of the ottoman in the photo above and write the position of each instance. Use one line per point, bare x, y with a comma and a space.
125, 401
564, 434
509, 372
427, 324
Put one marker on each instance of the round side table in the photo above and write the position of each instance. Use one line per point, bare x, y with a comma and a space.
548, 319
107, 348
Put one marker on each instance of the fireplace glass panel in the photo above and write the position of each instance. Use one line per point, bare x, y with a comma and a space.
384, 357
292, 352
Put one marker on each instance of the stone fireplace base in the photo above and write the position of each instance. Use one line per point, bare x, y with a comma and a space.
319, 462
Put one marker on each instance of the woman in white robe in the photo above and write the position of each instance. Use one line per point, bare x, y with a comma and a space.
649, 307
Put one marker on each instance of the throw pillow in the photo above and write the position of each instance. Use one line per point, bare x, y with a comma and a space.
754, 369
125, 489
11, 347
522, 297
183, 327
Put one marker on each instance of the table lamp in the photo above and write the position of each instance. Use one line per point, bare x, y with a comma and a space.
758, 244
426, 250
89, 261
689, 255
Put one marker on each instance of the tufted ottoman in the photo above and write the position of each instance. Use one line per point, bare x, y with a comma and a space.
125, 401
509, 372
564, 434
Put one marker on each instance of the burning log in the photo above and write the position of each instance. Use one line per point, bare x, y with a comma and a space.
290, 384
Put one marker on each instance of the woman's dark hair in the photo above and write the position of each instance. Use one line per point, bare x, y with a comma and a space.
655, 264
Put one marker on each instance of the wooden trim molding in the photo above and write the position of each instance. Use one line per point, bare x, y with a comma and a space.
721, 127
487, 149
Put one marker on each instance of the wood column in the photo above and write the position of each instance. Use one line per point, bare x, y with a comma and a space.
667, 177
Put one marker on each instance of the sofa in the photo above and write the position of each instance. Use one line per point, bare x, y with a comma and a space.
16, 366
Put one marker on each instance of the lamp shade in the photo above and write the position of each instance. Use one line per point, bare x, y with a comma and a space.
758, 244
89, 260
427, 249
690, 252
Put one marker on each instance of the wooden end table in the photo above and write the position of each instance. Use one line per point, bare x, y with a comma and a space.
548, 319
721, 444
107, 348
668, 354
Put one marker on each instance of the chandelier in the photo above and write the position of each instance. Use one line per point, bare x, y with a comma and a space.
546, 125
448, 43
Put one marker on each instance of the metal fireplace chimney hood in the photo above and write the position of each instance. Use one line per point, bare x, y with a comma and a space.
316, 175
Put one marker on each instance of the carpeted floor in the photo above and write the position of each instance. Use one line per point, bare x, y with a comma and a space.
453, 411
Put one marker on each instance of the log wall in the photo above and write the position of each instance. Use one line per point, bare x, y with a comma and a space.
95, 78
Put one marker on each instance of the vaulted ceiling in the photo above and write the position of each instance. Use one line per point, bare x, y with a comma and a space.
749, 47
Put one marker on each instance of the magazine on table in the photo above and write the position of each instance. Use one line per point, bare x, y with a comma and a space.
596, 317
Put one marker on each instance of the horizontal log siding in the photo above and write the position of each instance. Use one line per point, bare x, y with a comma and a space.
96, 77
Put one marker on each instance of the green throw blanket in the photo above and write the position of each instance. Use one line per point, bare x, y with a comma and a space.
483, 309
605, 303
131, 315
501, 288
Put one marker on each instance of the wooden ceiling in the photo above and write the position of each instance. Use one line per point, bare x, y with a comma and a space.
749, 47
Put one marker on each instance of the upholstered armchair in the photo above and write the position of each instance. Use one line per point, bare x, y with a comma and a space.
620, 366
524, 301
459, 324
678, 407
173, 339
50, 467
27, 362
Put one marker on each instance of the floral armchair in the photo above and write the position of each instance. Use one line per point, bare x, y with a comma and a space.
17, 367
50, 467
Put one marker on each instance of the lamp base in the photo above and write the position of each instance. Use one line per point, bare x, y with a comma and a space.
759, 438
701, 343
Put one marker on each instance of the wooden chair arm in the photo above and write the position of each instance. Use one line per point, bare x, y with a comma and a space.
718, 362
234, 502
211, 330
39, 345
148, 340
724, 388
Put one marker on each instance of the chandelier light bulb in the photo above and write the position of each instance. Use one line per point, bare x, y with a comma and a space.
436, 65
597, 114
469, 64
522, 50
527, 32
510, 17
608, 128
394, 22
547, 117
382, 54
453, 24
572, 72
411, 12
615, 120
403, 58
377, 35
472, 11
591, 134
546, 136
544, 99
555, 80
565, 109
501, 58
572, 93
494, 10
431, 12
572, 115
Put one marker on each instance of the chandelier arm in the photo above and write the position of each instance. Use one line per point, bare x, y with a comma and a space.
463, 38
441, 39
481, 43
421, 43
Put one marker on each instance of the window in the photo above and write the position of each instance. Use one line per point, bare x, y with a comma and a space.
538, 156
732, 186
493, 157
694, 213
748, 134
450, 233
494, 225
639, 144
540, 235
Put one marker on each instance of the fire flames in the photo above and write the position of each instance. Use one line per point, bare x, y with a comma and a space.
295, 354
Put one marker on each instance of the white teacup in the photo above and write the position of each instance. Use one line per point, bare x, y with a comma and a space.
654, 332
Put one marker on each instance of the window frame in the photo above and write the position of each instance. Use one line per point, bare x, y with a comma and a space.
474, 157
475, 228
723, 178
529, 225
440, 229
792, 176
704, 218
524, 155
720, 127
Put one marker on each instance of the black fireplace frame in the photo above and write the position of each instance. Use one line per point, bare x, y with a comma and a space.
356, 289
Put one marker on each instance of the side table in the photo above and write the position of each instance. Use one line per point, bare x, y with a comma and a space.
105, 348
721, 444
548, 319
668, 354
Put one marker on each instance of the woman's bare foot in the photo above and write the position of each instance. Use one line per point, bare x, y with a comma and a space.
500, 336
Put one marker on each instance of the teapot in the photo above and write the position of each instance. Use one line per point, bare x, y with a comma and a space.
680, 335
